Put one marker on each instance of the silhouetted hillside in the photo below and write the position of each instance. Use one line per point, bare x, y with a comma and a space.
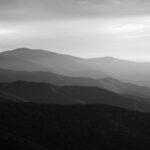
78, 127
9, 141
139, 92
6, 97
44, 77
100, 96
36, 92
66, 95
124, 88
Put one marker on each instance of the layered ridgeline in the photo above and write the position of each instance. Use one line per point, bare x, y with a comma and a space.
96, 108
38, 60
113, 85
44, 93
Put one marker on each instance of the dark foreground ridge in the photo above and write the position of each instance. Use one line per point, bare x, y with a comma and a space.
28, 126
43, 93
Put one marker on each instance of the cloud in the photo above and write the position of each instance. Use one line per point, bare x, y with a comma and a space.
90, 27
128, 28
22, 10
55, 29
6, 31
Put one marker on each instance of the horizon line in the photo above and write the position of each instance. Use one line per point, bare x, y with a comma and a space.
142, 60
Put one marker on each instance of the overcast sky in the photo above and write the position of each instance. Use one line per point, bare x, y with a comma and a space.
85, 28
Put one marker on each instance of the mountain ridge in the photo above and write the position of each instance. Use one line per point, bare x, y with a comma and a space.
114, 85
44, 93
96, 68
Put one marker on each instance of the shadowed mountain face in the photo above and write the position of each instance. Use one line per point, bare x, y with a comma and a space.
110, 84
7, 98
50, 94
124, 88
79, 127
37, 92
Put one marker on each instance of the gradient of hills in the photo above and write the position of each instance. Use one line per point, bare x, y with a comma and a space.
113, 85
38, 60
51, 101
37, 93
43, 93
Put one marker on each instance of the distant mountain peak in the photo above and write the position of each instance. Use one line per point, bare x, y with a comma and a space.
18, 50
36, 51
22, 49
110, 58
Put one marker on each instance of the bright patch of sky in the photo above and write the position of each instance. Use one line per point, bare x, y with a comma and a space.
85, 28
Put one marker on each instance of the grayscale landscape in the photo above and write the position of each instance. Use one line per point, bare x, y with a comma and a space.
74, 74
